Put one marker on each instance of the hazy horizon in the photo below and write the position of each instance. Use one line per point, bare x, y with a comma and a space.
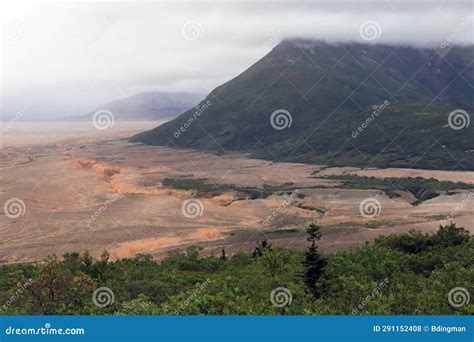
64, 59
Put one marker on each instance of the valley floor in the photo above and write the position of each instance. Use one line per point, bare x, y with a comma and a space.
99, 192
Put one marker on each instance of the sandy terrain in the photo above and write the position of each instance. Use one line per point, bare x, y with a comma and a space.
96, 191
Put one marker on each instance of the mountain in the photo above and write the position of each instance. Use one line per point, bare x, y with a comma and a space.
345, 104
146, 106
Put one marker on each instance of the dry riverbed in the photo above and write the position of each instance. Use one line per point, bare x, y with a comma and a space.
97, 191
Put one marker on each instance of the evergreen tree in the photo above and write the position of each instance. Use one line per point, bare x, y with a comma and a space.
223, 255
260, 248
314, 262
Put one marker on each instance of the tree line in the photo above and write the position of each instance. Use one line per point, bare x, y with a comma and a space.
410, 273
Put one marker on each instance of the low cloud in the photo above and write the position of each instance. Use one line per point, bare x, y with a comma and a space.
122, 48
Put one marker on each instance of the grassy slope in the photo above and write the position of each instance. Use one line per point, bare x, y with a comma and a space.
325, 117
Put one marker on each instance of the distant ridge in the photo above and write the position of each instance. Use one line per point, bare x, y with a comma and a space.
152, 105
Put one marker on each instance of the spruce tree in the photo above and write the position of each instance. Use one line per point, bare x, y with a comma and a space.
261, 247
223, 255
314, 262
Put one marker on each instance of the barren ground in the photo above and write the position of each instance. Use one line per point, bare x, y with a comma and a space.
65, 178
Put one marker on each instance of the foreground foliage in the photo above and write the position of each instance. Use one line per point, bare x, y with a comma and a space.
399, 274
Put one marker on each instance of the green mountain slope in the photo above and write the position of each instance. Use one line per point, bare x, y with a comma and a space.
330, 92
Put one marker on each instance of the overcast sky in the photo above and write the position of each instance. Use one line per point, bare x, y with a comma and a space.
79, 54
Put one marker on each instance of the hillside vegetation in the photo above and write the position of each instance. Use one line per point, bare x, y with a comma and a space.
350, 104
410, 273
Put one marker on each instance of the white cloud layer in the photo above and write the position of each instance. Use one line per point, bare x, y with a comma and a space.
110, 49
